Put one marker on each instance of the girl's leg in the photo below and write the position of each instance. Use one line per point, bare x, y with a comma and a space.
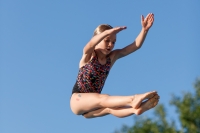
85, 102
97, 113
118, 112
124, 111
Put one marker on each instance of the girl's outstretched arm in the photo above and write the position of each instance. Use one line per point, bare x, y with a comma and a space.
146, 25
90, 46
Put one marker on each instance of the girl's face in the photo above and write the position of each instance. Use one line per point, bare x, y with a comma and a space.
107, 44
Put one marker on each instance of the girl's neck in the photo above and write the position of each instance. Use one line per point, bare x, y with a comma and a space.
100, 55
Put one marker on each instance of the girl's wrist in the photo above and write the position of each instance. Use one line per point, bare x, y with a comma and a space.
144, 30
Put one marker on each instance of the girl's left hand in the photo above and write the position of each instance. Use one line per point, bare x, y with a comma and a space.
147, 22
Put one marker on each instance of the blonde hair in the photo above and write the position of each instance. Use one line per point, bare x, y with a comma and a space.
101, 28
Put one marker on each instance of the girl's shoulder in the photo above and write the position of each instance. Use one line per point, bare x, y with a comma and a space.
113, 56
85, 59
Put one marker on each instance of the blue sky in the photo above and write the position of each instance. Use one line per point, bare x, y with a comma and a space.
41, 44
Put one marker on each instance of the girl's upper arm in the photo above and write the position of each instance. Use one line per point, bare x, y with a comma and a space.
84, 59
119, 53
89, 48
87, 52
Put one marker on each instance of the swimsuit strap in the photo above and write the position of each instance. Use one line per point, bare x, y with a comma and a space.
96, 54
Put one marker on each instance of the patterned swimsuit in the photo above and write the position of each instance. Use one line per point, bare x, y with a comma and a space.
92, 76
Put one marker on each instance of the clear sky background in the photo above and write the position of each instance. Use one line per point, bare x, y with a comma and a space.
41, 44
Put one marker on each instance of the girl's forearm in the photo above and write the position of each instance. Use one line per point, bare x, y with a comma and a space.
89, 48
133, 46
140, 38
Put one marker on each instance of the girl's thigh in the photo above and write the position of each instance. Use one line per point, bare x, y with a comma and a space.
85, 102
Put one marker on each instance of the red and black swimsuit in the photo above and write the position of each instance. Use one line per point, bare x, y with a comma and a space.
92, 76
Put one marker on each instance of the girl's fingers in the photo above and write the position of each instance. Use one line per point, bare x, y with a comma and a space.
152, 18
150, 15
147, 17
121, 28
117, 29
124, 27
142, 17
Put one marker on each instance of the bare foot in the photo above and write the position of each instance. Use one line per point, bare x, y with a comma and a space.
138, 98
151, 103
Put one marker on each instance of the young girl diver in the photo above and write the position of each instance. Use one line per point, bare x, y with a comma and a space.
97, 60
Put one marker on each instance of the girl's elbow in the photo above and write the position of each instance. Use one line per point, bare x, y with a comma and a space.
138, 47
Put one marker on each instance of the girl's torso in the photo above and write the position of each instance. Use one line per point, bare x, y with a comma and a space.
92, 76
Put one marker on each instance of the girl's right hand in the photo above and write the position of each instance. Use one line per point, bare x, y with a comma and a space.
115, 30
